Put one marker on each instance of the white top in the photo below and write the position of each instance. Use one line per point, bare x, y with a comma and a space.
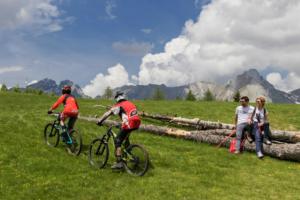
259, 115
116, 110
243, 113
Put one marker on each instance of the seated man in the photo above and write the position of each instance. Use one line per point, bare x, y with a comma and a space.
242, 119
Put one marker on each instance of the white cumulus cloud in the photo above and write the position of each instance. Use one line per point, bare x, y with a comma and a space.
288, 83
117, 76
227, 38
38, 16
10, 69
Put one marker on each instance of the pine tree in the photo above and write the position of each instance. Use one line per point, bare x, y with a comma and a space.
108, 93
3, 88
190, 96
208, 96
17, 89
237, 96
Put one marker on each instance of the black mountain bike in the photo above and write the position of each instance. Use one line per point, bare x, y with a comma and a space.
53, 131
135, 158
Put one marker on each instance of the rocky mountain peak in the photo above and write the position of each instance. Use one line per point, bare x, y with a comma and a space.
50, 86
249, 77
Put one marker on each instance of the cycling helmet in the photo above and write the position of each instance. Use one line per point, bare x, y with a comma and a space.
119, 96
66, 89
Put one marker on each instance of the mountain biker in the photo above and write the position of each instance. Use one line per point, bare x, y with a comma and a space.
130, 121
70, 111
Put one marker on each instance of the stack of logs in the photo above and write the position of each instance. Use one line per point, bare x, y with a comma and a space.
286, 144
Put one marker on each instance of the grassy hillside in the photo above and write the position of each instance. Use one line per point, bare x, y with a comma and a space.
181, 169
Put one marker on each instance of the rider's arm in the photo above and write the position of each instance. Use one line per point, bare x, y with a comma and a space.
58, 102
113, 111
104, 117
235, 119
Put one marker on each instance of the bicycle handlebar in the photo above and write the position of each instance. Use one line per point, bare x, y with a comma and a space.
55, 113
111, 126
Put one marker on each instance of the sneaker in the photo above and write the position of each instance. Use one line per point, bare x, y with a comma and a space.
260, 154
237, 152
69, 141
118, 165
66, 138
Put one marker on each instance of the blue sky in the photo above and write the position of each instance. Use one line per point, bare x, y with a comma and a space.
89, 40
172, 42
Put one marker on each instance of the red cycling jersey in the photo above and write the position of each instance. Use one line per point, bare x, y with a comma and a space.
70, 105
129, 115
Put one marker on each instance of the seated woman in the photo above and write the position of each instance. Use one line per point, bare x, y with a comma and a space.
260, 130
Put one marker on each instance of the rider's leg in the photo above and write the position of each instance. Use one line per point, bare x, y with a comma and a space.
64, 134
71, 123
126, 142
62, 122
123, 134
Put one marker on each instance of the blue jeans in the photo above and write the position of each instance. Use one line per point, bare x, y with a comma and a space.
258, 138
239, 134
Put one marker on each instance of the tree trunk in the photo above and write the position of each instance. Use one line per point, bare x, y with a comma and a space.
194, 123
280, 135
282, 151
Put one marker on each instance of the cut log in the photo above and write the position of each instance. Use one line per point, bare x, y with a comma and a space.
286, 136
280, 135
194, 123
282, 151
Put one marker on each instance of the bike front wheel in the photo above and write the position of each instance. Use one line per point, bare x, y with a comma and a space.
51, 135
75, 147
136, 160
98, 153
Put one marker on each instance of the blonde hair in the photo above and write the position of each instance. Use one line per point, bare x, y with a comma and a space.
262, 100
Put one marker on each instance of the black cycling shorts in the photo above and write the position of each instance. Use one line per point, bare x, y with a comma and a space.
123, 135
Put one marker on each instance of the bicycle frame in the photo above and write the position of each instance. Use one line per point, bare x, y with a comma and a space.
106, 137
56, 124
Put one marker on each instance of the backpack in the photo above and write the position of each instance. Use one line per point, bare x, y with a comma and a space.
233, 144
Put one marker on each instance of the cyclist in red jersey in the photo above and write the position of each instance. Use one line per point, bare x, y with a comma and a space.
130, 121
70, 111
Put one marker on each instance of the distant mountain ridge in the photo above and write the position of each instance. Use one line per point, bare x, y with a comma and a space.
50, 86
249, 83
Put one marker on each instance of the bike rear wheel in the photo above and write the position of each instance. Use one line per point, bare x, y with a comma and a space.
98, 153
76, 146
136, 160
51, 135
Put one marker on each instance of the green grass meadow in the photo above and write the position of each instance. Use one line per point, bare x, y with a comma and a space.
180, 169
